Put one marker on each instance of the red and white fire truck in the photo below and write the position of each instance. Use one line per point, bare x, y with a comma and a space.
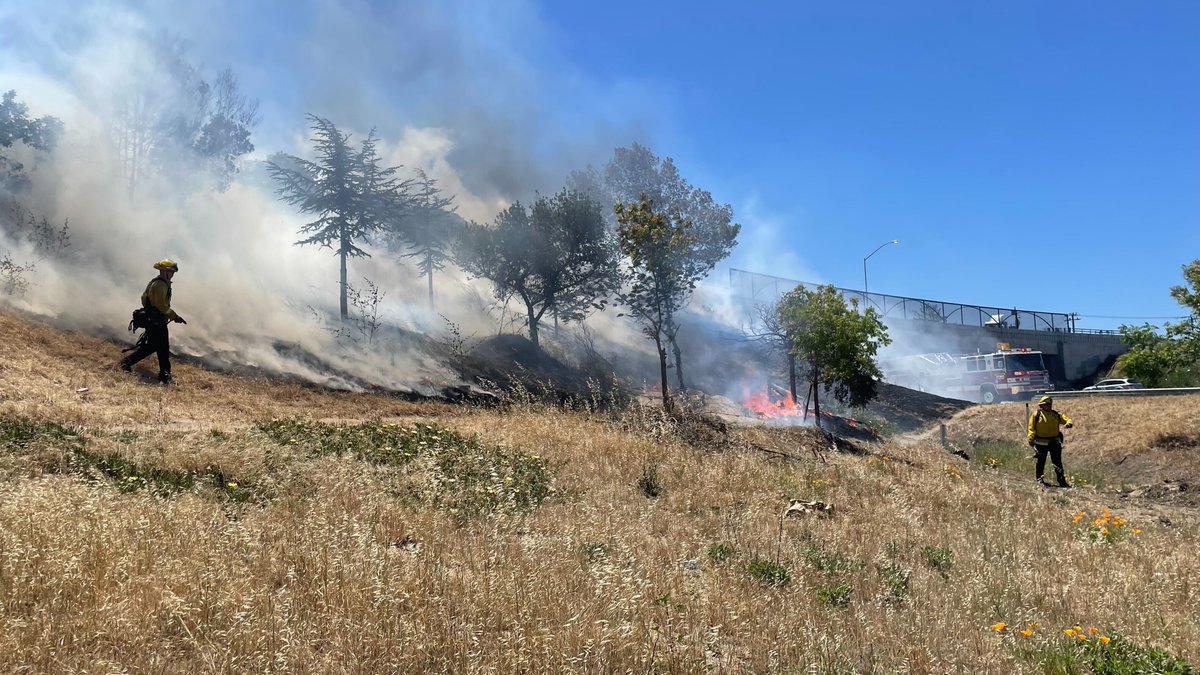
1005, 374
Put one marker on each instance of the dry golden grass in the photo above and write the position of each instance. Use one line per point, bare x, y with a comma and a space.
1136, 440
338, 574
42, 369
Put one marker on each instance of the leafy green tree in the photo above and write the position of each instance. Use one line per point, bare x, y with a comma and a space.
556, 255
1151, 358
837, 342
172, 121
349, 192
636, 171
16, 126
1171, 357
662, 276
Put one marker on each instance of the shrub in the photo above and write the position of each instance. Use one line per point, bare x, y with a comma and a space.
650, 484
768, 572
896, 580
939, 558
1076, 651
837, 595
721, 553
1107, 528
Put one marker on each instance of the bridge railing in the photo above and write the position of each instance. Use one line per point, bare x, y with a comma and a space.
755, 289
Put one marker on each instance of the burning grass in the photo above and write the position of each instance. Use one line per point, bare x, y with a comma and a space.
351, 564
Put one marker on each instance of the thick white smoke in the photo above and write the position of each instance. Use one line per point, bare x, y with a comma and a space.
448, 90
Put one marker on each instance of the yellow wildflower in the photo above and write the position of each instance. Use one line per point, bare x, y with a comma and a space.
1027, 632
1136, 531
1069, 633
999, 627
1104, 639
231, 485
1081, 637
1078, 517
1093, 631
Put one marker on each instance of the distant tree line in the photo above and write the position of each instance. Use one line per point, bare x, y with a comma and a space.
19, 225
1168, 356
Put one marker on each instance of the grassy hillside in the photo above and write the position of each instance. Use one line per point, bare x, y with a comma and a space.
235, 525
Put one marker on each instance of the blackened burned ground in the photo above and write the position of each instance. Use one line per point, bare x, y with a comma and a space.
911, 410
512, 361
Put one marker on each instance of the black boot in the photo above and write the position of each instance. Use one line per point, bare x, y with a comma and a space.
164, 378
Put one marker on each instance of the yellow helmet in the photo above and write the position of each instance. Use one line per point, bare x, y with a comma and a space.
1045, 400
167, 264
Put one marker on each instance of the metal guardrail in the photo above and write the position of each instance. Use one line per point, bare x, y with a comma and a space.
1119, 393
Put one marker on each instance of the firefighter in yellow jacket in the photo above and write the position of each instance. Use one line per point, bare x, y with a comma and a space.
156, 301
1045, 437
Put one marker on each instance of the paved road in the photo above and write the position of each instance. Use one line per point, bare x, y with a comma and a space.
1195, 391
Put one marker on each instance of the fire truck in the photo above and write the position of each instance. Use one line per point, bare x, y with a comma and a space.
1005, 374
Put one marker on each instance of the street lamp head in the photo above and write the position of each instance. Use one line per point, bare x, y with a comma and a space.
895, 241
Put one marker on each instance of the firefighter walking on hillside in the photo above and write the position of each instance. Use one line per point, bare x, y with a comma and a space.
156, 313
1045, 438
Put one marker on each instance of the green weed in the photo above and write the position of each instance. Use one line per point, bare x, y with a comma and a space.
837, 595
1088, 653
768, 572
896, 580
465, 478
831, 562
721, 553
940, 558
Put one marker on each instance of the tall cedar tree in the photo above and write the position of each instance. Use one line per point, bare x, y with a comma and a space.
1171, 357
635, 171
429, 228
662, 274
557, 255
836, 341
349, 192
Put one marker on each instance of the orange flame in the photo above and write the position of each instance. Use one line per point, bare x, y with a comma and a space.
762, 406
785, 408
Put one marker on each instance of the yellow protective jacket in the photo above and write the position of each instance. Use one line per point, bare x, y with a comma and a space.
158, 296
1043, 426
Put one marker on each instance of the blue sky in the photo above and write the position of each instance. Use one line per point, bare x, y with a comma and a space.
1039, 154
1044, 155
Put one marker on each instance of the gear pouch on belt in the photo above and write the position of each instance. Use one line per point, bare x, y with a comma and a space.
141, 319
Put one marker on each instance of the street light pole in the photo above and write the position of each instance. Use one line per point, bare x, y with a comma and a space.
886, 243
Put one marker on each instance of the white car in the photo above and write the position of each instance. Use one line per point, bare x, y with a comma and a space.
1119, 383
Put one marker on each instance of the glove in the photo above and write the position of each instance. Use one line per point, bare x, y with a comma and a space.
179, 319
